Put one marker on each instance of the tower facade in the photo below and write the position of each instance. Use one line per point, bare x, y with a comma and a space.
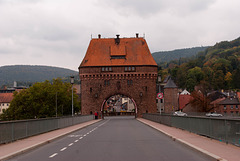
114, 66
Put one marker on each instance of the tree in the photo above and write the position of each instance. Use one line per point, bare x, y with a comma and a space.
194, 76
208, 74
236, 78
201, 100
223, 65
190, 84
41, 100
228, 80
218, 79
181, 77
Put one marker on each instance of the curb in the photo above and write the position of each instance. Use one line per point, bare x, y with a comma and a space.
11, 155
211, 156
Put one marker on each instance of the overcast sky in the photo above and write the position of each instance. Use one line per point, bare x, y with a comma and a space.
58, 32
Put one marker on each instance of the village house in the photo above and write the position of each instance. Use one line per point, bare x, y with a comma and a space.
5, 99
229, 106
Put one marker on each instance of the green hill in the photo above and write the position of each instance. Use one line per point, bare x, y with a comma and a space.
218, 66
30, 74
167, 56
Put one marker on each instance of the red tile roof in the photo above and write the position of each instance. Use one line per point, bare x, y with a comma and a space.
6, 97
106, 52
184, 100
217, 101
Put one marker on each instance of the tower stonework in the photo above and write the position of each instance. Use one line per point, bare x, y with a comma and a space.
170, 97
114, 66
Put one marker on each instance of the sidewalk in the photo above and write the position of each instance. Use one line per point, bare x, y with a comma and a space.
20, 146
214, 149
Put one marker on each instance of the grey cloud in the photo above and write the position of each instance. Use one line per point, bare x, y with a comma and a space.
141, 7
145, 8
18, 1
60, 30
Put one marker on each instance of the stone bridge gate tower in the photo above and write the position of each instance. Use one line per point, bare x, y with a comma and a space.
118, 66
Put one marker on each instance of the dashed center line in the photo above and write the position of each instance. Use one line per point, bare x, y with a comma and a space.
63, 149
53, 155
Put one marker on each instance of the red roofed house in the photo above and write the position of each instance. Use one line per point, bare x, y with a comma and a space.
229, 106
184, 99
5, 99
114, 66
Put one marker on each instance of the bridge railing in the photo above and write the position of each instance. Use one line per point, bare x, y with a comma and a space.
226, 130
15, 130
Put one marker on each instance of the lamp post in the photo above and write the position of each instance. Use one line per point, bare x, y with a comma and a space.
159, 90
56, 104
72, 82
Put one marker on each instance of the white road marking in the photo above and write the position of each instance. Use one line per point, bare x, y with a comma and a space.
71, 136
63, 149
53, 155
77, 140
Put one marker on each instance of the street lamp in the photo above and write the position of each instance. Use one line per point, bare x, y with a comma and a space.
56, 104
159, 78
159, 90
72, 82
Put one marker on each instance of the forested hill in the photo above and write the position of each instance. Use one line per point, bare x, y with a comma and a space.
218, 66
29, 73
167, 56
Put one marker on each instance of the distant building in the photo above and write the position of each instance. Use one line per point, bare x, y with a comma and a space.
229, 106
6, 96
184, 99
170, 97
5, 99
121, 66
127, 104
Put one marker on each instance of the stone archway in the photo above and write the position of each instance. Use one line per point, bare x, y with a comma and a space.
108, 107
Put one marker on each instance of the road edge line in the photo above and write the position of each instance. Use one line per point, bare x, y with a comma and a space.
11, 155
204, 152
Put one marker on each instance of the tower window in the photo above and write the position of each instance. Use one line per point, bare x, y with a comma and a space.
118, 57
129, 82
106, 82
130, 69
106, 69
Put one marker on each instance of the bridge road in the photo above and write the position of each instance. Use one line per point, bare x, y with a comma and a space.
113, 139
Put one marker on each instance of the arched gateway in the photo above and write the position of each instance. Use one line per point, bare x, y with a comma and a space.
118, 66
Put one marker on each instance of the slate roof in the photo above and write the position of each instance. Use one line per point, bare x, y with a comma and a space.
170, 84
124, 52
166, 79
229, 101
216, 95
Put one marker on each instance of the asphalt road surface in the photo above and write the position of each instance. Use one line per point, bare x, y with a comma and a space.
113, 139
